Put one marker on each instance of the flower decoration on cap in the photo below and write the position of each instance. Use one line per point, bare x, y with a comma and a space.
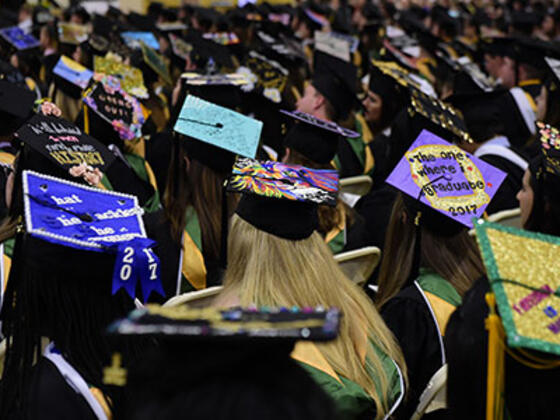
550, 147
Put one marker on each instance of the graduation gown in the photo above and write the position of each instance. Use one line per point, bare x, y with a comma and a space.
502, 157
351, 401
346, 236
58, 392
417, 316
354, 157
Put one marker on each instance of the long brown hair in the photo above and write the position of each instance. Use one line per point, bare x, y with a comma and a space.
329, 217
455, 258
196, 185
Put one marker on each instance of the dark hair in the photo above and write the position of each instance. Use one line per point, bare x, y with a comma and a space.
198, 186
545, 213
455, 258
215, 382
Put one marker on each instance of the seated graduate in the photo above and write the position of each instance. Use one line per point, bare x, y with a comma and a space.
524, 377
313, 143
276, 258
215, 364
481, 113
539, 196
194, 197
60, 289
429, 260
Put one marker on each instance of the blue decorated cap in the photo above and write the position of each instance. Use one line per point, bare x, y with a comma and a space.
85, 218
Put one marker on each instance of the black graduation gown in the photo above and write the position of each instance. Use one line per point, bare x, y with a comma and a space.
409, 318
158, 155
51, 398
505, 198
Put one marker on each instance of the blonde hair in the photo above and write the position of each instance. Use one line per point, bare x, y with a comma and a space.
267, 270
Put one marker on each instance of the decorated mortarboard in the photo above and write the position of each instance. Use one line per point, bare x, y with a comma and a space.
312, 324
402, 76
11, 74
16, 37
180, 47
392, 51
73, 72
219, 126
222, 38
442, 115
119, 109
90, 219
550, 148
16, 105
72, 33
282, 199
314, 138
171, 26
197, 79
156, 62
554, 65
479, 78
265, 76
134, 39
445, 178
332, 45
131, 78
522, 269
63, 143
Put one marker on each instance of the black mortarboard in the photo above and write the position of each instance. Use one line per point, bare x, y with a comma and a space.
220, 89
524, 22
498, 46
205, 50
63, 143
315, 139
481, 113
271, 77
16, 106
10, 74
282, 199
532, 51
336, 80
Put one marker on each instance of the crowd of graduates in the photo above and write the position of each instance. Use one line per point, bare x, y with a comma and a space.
178, 186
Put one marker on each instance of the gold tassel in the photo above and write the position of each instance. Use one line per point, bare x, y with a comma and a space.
86, 119
495, 372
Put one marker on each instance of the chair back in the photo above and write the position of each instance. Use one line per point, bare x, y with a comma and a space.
359, 264
196, 299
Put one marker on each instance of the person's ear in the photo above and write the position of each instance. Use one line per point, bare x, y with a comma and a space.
286, 155
318, 101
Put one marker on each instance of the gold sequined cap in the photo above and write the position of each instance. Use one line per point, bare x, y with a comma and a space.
524, 274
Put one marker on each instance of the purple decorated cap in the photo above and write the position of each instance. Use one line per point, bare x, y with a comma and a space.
439, 176
314, 138
282, 199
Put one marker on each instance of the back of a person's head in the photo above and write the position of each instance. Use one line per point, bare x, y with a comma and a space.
264, 269
224, 383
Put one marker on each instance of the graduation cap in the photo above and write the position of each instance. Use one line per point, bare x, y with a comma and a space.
498, 46
156, 62
10, 74
316, 16
64, 144
446, 186
222, 38
385, 73
89, 219
336, 80
72, 33
282, 199
522, 271
17, 38
472, 77
205, 51
314, 138
332, 45
533, 51
220, 89
441, 115
142, 22
131, 78
216, 134
180, 47
134, 39
71, 77
550, 151
267, 77
108, 100
236, 324
196, 79
16, 106
171, 26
